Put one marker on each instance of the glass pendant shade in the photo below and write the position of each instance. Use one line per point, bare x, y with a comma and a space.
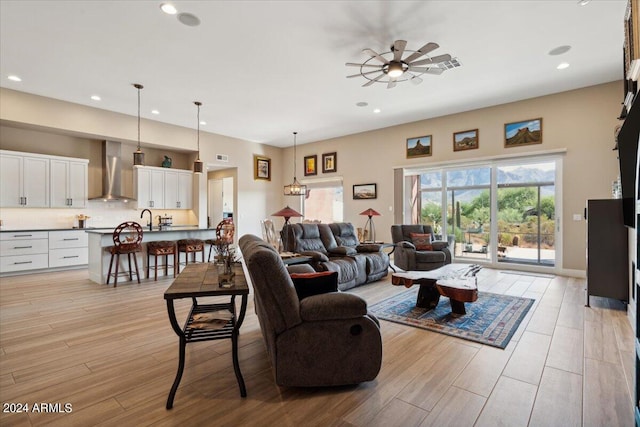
138, 155
295, 188
198, 166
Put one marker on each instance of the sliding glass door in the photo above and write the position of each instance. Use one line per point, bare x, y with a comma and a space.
495, 212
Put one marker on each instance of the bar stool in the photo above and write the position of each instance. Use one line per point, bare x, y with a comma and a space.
189, 246
224, 231
158, 249
126, 240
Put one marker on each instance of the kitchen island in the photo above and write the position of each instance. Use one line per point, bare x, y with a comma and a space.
99, 239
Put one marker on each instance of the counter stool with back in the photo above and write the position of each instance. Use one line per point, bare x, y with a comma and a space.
127, 238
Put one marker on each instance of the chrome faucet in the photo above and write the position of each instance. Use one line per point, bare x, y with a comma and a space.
150, 223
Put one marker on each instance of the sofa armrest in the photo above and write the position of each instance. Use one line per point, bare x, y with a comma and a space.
315, 256
439, 245
300, 268
342, 251
332, 306
369, 247
406, 245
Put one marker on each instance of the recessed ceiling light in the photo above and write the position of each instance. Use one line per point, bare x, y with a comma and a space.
203, 122
583, 2
559, 50
155, 112
189, 19
563, 65
168, 8
14, 78
377, 110
95, 97
362, 104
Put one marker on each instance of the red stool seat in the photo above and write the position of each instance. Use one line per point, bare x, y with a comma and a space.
190, 246
159, 249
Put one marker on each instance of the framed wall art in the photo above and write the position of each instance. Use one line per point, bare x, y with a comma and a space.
329, 162
261, 168
419, 147
521, 133
466, 140
310, 165
365, 191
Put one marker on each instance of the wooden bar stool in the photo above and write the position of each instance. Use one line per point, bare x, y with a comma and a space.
126, 240
224, 231
189, 246
159, 249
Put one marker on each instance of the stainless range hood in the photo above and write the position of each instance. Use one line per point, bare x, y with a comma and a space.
112, 173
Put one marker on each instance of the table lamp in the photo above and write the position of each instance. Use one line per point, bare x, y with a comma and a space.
286, 213
369, 224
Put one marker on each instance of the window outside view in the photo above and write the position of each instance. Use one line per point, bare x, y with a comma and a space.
324, 204
525, 211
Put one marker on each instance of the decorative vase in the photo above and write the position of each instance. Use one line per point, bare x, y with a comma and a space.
225, 272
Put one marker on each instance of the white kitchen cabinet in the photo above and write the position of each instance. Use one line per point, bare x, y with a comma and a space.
69, 183
149, 187
68, 248
20, 251
24, 180
178, 189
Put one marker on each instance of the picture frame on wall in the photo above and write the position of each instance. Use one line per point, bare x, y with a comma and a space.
365, 191
310, 165
525, 132
329, 162
261, 168
419, 147
466, 140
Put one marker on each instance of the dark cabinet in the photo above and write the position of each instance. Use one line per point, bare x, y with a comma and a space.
607, 250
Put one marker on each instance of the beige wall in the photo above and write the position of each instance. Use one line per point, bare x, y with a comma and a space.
75, 126
580, 122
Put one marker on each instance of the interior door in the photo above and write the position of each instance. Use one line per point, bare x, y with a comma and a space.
215, 201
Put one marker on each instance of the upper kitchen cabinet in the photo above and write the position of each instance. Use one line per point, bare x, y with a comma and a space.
24, 180
178, 189
69, 183
149, 187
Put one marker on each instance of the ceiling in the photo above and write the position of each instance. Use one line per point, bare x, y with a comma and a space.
263, 69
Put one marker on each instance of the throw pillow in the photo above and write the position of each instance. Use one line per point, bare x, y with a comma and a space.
308, 284
422, 242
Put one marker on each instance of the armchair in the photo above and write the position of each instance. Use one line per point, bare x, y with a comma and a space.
410, 258
322, 340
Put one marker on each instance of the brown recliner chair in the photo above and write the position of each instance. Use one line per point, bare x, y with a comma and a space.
322, 340
407, 257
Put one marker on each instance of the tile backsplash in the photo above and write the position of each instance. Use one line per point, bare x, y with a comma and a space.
101, 215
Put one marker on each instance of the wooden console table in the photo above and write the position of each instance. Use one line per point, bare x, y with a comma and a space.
201, 280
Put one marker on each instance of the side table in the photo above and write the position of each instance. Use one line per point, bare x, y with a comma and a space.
201, 280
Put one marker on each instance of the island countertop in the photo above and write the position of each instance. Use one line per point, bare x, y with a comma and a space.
101, 238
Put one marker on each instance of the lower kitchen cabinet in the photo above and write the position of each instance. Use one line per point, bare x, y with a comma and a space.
21, 251
68, 248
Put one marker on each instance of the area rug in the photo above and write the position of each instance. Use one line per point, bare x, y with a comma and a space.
491, 320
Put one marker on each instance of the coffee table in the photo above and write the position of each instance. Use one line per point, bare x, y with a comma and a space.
455, 281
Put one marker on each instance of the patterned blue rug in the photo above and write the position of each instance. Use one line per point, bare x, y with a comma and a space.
491, 320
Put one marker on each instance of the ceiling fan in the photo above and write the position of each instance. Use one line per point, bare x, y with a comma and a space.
390, 67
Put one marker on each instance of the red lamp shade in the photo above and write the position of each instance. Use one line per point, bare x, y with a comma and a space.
370, 212
287, 213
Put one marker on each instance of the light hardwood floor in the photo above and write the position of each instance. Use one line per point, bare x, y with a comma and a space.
112, 355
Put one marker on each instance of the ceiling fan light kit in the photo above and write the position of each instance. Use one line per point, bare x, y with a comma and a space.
390, 67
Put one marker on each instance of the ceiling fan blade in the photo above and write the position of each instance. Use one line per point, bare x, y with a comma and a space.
391, 84
376, 55
363, 74
398, 49
353, 64
422, 51
415, 80
370, 82
434, 60
432, 70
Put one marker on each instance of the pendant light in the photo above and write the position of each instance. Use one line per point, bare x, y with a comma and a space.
198, 165
295, 188
138, 155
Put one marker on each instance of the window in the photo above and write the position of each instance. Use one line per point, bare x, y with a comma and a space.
324, 201
501, 211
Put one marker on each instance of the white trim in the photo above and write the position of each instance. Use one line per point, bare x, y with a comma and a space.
335, 180
417, 169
